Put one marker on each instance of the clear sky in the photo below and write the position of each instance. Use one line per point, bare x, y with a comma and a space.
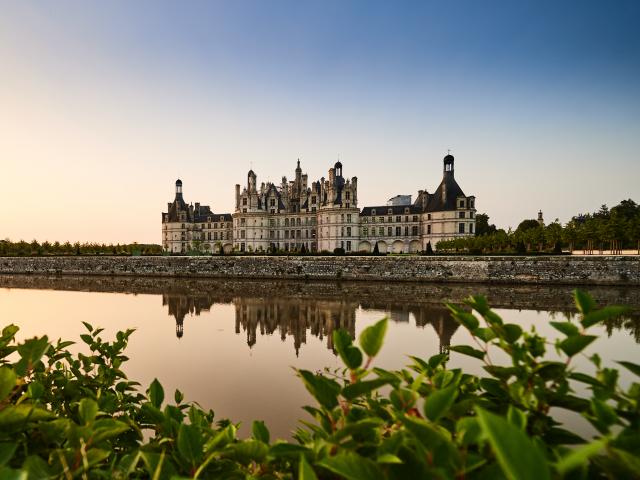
104, 104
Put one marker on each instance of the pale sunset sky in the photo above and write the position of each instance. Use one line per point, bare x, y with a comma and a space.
103, 105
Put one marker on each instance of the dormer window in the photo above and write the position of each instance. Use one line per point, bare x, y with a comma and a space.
373, 212
406, 210
390, 212
461, 203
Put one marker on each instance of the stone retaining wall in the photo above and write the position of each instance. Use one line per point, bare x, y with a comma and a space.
583, 270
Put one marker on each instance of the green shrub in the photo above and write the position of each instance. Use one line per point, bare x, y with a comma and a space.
78, 416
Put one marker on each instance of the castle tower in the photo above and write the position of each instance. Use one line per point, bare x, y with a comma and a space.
178, 189
540, 219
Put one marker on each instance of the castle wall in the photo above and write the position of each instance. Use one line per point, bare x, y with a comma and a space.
584, 270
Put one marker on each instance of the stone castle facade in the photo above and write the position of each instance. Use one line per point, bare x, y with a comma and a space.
321, 216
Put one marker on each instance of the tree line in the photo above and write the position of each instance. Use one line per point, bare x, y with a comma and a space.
607, 229
24, 249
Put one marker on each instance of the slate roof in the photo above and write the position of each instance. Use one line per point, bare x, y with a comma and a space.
396, 210
435, 201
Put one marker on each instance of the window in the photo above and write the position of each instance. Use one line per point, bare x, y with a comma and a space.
347, 195
222, 219
242, 222
272, 202
373, 212
470, 214
461, 203
313, 199
390, 212
348, 245
472, 203
389, 231
381, 231
461, 228
398, 231
349, 218
460, 214
428, 216
244, 201
414, 231
428, 229
347, 205
471, 228
398, 218
348, 231
415, 218
406, 231
215, 235
381, 219
365, 231
242, 234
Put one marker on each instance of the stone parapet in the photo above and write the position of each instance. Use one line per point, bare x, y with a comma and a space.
583, 270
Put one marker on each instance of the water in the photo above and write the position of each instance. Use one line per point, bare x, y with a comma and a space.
231, 345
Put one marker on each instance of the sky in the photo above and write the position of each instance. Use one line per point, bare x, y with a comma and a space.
103, 105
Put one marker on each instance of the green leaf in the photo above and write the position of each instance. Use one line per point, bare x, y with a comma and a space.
517, 417
323, 389
403, 399
518, 456
567, 328
247, 451
353, 467
37, 468
512, 332
305, 472
190, 443
178, 396
88, 326
584, 302
484, 333
105, 428
156, 393
15, 414
6, 452
467, 350
579, 456
632, 367
388, 458
7, 381
357, 389
87, 410
372, 337
31, 351
350, 355
439, 402
466, 319
260, 431
575, 344
605, 313
86, 338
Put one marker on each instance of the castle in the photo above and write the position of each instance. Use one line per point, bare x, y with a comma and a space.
295, 216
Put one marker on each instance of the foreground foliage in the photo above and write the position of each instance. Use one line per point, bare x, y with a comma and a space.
65, 415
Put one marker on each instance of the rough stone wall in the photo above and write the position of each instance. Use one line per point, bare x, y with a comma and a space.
596, 270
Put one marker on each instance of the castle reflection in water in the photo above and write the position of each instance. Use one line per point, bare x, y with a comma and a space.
299, 317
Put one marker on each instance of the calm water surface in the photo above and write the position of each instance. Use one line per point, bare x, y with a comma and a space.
231, 345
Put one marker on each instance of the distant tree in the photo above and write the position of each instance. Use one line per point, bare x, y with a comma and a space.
527, 225
482, 225
430, 248
376, 250
303, 250
338, 251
